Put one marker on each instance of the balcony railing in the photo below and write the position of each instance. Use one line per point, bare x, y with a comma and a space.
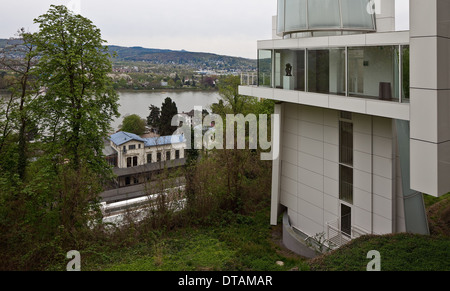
249, 79
336, 238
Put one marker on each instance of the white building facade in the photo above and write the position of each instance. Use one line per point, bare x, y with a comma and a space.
364, 116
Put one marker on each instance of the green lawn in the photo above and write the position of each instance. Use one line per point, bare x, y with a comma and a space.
249, 243
401, 252
244, 243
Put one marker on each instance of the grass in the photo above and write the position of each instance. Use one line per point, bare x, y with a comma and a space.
249, 243
243, 243
400, 252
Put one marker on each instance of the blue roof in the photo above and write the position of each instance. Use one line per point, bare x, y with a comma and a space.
122, 137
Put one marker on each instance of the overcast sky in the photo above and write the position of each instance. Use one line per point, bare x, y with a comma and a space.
229, 27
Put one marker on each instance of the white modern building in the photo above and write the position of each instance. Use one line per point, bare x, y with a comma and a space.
365, 116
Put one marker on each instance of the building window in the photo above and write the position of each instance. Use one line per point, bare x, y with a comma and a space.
346, 157
168, 156
132, 147
177, 154
405, 74
135, 180
149, 159
346, 184
127, 181
346, 143
135, 161
139, 146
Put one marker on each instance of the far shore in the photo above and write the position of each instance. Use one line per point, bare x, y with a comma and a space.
167, 90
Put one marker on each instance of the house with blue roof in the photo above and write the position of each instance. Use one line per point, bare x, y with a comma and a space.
135, 158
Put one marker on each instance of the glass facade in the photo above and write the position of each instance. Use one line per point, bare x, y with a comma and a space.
354, 14
324, 15
265, 68
326, 71
290, 69
374, 72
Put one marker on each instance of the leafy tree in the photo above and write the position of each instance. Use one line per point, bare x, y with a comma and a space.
133, 124
80, 102
168, 111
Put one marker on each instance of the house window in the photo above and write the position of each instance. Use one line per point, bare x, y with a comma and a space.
135, 161
135, 180
158, 157
177, 154
139, 145
127, 181
129, 162
168, 156
132, 147
149, 158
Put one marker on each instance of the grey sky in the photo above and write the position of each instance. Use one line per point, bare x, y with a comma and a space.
229, 27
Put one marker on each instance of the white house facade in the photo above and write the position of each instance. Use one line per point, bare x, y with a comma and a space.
364, 116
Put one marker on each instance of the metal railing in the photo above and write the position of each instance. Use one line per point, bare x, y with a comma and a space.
336, 238
249, 79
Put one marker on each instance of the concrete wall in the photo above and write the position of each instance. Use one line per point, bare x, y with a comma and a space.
310, 170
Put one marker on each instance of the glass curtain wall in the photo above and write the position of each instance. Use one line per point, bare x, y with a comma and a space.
378, 72
290, 69
265, 68
373, 72
326, 71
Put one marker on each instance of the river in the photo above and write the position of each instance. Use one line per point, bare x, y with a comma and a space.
138, 102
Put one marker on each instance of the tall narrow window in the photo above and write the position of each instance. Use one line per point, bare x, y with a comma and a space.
135, 161
158, 157
346, 184
346, 143
346, 157
168, 156
129, 162
177, 154
149, 158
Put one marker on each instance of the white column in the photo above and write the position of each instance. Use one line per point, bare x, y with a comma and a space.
276, 168
430, 96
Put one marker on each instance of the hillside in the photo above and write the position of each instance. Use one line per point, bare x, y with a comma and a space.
195, 60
